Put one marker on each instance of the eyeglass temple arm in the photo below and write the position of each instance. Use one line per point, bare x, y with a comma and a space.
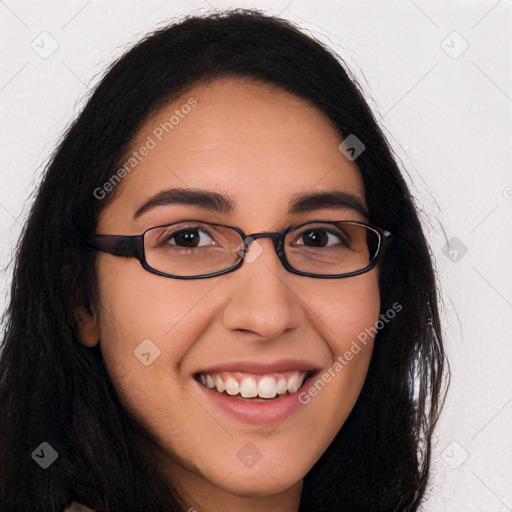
387, 240
119, 245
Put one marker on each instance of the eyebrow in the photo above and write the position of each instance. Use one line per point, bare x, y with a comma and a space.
220, 203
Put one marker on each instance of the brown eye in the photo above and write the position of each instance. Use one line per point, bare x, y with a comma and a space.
322, 237
186, 238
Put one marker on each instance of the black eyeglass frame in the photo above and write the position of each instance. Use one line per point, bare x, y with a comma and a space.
133, 246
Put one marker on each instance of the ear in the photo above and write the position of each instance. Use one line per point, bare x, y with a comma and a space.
87, 329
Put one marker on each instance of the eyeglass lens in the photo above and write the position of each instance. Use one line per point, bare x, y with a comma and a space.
194, 248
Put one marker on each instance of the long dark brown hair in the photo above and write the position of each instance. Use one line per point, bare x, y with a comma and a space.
54, 389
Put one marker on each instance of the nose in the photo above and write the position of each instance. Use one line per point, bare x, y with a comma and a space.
261, 299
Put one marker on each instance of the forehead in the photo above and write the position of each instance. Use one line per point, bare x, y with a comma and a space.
255, 142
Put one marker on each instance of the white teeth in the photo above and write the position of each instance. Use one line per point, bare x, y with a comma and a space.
232, 386
219, 384
294, 383
281, 387
267, 387
248, 388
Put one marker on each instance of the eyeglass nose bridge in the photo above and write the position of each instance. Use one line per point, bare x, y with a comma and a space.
276, 237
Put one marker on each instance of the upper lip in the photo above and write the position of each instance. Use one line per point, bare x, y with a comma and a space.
263, 367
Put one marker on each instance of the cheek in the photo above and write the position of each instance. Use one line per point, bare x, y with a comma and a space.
147, 325
345, 308
146, 305
346, 316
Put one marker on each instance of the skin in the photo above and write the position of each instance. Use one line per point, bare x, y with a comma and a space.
260, 145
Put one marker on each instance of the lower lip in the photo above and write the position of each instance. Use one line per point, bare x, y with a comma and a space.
258, 413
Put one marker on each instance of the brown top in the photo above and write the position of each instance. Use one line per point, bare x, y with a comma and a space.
78, 507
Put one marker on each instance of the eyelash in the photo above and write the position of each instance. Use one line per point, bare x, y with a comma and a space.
199, 228
202, 228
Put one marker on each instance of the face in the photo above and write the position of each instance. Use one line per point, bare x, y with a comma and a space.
262, 148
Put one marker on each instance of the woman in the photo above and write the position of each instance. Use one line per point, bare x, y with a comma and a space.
222, 298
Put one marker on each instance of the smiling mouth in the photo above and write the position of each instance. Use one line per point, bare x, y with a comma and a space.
254, 387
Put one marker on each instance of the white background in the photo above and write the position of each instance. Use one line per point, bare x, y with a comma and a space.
448, 120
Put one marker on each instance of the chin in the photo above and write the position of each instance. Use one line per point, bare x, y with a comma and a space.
258, 483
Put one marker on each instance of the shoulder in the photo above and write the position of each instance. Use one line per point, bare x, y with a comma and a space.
74, 506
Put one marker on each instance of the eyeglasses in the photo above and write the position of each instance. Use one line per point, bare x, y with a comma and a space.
196, 249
